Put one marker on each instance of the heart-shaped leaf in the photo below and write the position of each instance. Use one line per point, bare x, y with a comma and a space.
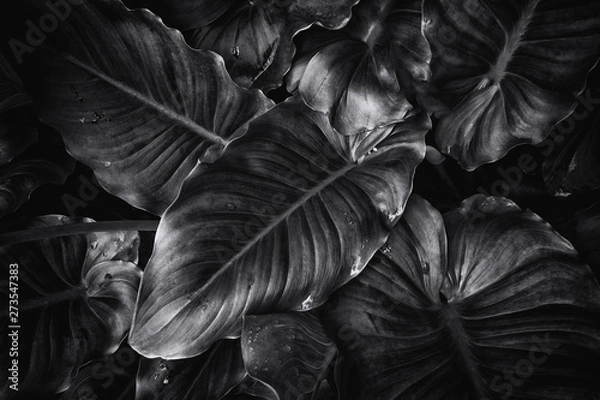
72, 298
254, 37
278, 223
487, 303
288, 352
362, 74
209, 376
134, 102
505, 72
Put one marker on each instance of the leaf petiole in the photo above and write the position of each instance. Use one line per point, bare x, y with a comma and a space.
28, 235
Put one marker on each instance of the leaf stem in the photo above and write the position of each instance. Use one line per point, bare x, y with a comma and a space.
28, 235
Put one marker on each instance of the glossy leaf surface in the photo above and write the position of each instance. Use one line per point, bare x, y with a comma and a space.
134, 102
76, 296
276, 224
487, 302
362, 74
505, 72
254, 37
289, 352
209, 376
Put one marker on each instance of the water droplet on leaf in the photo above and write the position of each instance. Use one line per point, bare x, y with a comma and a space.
386, 249
94, 245
107, 164
356, 267
307, 303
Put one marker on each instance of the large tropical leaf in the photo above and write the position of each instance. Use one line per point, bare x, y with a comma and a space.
276, 224
75, 301
209, 376
134, 102
289, 352
505, 72
362, 74
488, 302
254, 37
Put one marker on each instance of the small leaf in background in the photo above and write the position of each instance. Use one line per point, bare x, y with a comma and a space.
42, 163
14, 140
133, 102
75, 301
26, 160
109, 377
362, 74
587, 236
12, 92
254, 37
488, 302
504, 73
572, 163
277, 224
209, 376
289, 352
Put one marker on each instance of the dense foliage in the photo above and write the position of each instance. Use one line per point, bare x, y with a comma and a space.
287, 199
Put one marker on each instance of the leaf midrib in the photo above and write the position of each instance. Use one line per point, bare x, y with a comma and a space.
72, 293
282, 217
513, 40
463, 350
290, 210
151, 103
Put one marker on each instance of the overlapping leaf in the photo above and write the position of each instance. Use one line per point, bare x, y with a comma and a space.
587, 236
75, 301
43, 163
134, 102
504, 73
276, 224
109, 377
254, 37
488, 302
288, 352
25, 165
209, 376
572, 163
362, 74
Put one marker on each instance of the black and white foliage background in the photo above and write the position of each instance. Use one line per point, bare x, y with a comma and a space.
286, 199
